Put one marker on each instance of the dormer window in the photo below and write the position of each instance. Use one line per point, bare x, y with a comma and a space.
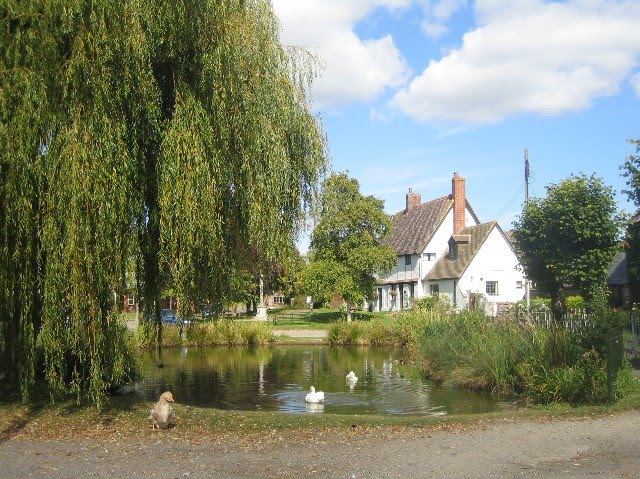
453, 249
407, 259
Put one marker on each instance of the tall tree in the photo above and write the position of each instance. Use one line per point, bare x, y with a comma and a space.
346, 248
631, 171
570, 236
175, 132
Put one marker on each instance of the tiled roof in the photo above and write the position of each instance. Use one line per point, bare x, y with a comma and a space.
413, 230
617, 272
446, 268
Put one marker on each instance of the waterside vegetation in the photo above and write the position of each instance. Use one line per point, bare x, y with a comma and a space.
513, 359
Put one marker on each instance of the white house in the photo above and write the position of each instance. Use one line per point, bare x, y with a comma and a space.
443, 248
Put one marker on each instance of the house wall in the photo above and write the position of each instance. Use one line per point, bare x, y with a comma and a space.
402, 271
439, 245
391, 302
419, 267
484, 267
494, 262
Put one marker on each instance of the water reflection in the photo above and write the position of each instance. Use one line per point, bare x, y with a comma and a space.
277, 378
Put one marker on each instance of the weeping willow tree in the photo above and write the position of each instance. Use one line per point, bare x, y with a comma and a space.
173, 135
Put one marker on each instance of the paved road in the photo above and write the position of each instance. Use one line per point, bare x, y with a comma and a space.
566, 449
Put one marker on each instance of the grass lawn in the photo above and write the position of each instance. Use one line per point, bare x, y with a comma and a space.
319, 318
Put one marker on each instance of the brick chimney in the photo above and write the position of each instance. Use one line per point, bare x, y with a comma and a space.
459, 203
413, 200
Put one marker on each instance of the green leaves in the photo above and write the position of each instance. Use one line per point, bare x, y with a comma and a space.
347, 243
170, 135
569, 237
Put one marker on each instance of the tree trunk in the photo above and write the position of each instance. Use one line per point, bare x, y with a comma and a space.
348, 312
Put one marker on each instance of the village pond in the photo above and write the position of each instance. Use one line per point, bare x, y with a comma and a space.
277, 378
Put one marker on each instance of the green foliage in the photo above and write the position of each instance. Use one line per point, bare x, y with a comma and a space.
632, 248
575, 303
430, 303
223, 332
399, 332
347, 245
541, 304
513, 359
584, 381
631, 171
344, 332
171, 135
570, 236
299, 302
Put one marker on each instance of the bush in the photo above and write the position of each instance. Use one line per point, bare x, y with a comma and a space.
344, 332
299, 302
513, 358
583, 382
224, 331
427, 303
575, 303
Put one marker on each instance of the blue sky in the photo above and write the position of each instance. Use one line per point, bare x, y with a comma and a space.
411, 91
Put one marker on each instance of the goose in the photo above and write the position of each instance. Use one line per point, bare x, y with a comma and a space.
313, 396
161, 416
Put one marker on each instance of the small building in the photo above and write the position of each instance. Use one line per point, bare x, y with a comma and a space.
443, 248
618, 280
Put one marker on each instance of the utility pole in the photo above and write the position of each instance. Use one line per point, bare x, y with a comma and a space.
527, 284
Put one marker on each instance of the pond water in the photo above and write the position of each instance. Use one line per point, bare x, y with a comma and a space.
277, 378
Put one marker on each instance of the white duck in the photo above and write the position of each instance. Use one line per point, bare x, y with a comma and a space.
313, 396
161, 416
352, 379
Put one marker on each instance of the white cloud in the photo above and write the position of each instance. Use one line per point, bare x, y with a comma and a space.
437, 13
529, 56
379, 116
354, 69
635, 84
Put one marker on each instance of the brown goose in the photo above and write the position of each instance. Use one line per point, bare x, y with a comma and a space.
161, 416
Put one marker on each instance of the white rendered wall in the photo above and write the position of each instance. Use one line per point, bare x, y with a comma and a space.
439, 244
494, 262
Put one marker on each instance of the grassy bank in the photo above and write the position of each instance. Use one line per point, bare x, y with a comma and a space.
542, 365
222, 332
126, 419
508, 358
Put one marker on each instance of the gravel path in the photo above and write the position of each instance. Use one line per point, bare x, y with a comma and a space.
302, 333
606, 447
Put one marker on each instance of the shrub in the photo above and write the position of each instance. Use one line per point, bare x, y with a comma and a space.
575, 303
299, 302
513, 358
427, 303
583, 382
344, 332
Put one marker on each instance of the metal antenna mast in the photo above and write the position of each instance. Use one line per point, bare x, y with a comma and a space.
526, 176
527, 283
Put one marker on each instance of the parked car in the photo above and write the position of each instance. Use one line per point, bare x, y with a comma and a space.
207, 311
169, 317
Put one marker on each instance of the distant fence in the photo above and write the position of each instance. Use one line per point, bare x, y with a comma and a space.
291, 316
578, 320
632, 337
